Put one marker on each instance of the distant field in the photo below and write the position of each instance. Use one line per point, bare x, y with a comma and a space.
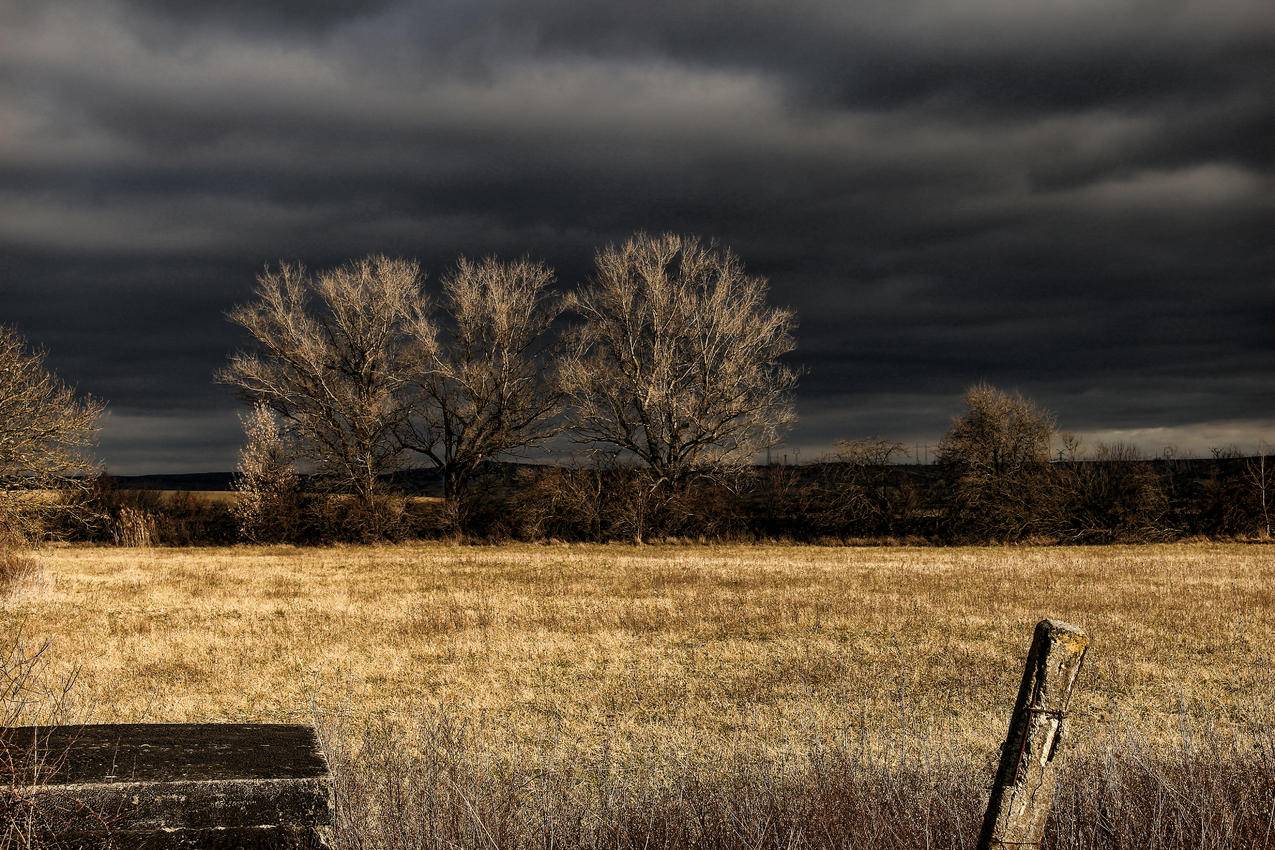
206, 495
694, 649
229, 495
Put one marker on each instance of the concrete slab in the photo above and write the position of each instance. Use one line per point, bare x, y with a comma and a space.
166, 786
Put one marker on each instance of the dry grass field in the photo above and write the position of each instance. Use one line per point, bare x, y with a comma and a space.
606, 662
229, 496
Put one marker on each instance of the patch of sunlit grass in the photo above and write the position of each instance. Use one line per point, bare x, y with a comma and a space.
689, 650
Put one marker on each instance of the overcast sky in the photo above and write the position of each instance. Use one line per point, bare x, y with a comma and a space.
1071, 198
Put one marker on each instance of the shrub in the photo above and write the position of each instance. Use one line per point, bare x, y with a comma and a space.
107, 513
1118, 496
342, 518
268, 506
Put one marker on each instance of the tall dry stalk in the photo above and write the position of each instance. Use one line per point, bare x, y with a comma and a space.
134, 527
16, 569
435, 784
30, 698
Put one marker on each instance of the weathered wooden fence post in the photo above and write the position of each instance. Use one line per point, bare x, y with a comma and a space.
1024, 787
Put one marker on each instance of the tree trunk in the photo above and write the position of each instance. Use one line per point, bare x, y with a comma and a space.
455, 487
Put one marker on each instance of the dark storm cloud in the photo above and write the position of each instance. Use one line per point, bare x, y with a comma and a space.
1075, 199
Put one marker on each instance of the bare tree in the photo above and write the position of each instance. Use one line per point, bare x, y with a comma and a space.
266, 481
1260, 473
483, 365
998, 450
873, 453
47, 432
330, 361
999, 432
676, 359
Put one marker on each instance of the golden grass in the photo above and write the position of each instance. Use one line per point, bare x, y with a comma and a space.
225, 496
691, 651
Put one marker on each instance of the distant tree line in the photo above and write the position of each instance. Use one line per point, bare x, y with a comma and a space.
1112, 494
664, 376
